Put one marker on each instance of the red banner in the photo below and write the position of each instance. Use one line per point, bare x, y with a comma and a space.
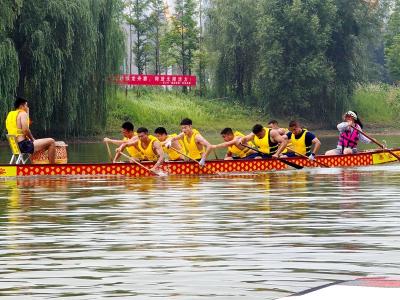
137, 79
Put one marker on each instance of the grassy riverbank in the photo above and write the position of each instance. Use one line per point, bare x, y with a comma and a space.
378, 105
162, 108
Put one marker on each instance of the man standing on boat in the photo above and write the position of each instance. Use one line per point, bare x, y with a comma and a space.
195, 144
232, 141
349, 137
127, 130
301, 141
163, 137
149, 147
266, 139
17, 124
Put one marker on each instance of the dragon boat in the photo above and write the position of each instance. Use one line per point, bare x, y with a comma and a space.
212, 167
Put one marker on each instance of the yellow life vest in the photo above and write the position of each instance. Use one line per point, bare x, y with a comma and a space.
148, 152
299, 145
132, 150
172, 154
240, 152
11, 123
191, 147
265, 145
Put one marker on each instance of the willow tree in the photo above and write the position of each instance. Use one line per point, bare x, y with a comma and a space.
8, 57
66, 52
231, 37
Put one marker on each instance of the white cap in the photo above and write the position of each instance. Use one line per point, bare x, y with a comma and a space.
352, 114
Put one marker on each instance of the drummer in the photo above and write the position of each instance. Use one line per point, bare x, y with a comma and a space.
17, 124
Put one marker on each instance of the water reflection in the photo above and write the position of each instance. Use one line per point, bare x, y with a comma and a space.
214, 237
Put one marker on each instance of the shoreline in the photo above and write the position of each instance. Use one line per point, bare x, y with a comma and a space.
319, 132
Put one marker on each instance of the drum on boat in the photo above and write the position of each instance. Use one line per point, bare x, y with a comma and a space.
42, 157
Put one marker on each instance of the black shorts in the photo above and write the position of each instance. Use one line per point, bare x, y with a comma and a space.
26, 146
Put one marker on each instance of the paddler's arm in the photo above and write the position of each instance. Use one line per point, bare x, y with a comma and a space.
25, 125
317, 144
158, 150
202, 141
131, 142
225, 144
281, 139
247, 138
281, 131
171, 141
222, 145
115, 142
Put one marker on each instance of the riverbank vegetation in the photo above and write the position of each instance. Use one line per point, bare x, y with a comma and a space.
59, 55
156, 108
284, 59
377, 104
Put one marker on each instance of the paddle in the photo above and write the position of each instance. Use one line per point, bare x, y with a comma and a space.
376, 142
160, 173
109, 152
289, 163
305, 156
188, 157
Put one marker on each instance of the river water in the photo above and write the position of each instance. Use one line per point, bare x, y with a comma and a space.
213, 237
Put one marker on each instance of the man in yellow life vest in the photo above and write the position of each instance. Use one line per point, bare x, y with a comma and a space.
162, 135
265, 139
195, 144
17, 123
128, 133
301, 142
149, 147
232, 141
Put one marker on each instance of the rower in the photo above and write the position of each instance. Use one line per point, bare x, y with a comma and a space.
273, 124
17, 124
149, 147
232, 141
266, 139
128, 133
349, 137
163, 137
301, 141
195, 144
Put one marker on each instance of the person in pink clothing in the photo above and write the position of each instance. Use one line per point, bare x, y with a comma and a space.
348, 136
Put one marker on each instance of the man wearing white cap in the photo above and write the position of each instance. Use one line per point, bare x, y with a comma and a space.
349, 137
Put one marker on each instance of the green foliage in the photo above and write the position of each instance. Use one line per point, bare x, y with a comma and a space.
59, 54
9, 62
183, 36
232, 30
138, 17
377, 104
295, 75
392, 45
292, 57
150, 110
